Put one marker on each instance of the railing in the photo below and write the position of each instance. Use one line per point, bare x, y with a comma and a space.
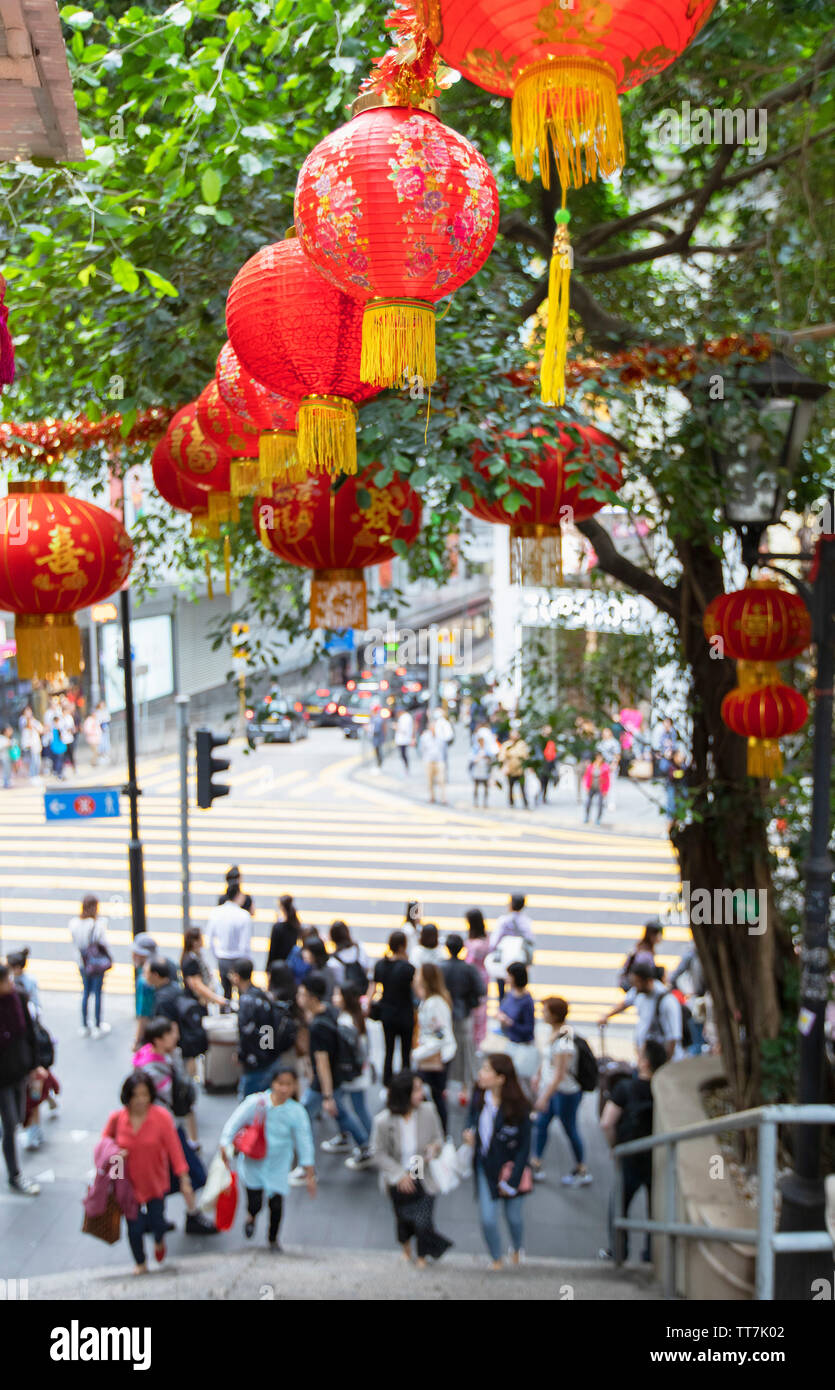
767, 1241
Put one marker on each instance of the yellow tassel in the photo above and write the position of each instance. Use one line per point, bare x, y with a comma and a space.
223, 508
277, 456
199, 526
338, 599
552, 370
244, 477
536, 556
210, 593
574, 102
47, 644
764, 758
398, 336
227, 565
327, 439
753, 675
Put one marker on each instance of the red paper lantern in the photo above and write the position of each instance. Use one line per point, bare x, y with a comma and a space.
535, 528
176, 489
204, 464
300, 336
398, 211
762, 710
274, 416
57, 554
234, 436
308, 523
761, 622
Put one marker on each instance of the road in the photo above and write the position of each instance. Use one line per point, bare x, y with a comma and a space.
313, 820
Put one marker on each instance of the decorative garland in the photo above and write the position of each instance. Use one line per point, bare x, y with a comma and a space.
48, 441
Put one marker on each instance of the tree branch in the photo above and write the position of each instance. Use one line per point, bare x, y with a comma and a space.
613, 563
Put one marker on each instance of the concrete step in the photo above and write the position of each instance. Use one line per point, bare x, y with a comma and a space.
304, 1273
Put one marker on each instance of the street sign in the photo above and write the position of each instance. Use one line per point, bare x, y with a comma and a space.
82, 803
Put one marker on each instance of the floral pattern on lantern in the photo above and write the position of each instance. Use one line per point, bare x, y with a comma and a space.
274, 416
57, 554
233, 435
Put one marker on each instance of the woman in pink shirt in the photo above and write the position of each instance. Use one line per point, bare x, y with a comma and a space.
149, 1144
478, 946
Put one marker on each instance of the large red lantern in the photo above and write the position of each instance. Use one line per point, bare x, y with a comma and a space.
535, 527
274, 416
57, 554
178, 490
222, 427
762, 710
309, 523
398, 211
761, 622
300, 336
204, 464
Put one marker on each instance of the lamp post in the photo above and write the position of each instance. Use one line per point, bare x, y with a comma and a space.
756, 472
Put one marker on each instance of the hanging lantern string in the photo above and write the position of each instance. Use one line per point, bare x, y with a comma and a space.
552, 372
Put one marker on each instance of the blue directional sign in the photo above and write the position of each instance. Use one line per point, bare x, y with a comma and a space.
82, 803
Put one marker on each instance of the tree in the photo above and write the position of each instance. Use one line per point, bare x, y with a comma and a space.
197, 119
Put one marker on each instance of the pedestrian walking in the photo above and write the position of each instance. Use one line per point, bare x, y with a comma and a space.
412, 923
6, 741
436, 1046
286, 933
89, 936
512, 939
659, 1012
287, 1131
517, 1022
643, 950
315, 959
229, 933
394, 1008
404, 736
265, 1031
481, 762
348, 961
466, 991
543, 760
349, 1014
149, 1144
31, 741
513, 755
558, 1094
18, 1068
432, 750
445, 732
406, 1137
327, 1088
377, 732
143, 948
478, 948
628, 1115
103, 718
499, 1131
197, 974
596, 783
428, 949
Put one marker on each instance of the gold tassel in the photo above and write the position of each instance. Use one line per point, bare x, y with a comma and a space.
574, 102
753, 675
764, 758
223, 508
552, 369
227, 565
244, 477
338, 599
327, 439
199, 526
277, 457
210, 593
536, 556
398, 336
47, 643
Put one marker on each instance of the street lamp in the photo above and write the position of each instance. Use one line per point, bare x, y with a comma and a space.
756, 467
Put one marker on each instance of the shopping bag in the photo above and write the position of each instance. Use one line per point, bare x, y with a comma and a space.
251, 1141
107, 1226
226, 1205
464, 1156
443, 1171
217, 1180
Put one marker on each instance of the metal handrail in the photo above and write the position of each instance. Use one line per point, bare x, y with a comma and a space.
763, 1236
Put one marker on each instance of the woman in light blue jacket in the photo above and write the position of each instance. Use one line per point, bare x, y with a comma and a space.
288, 1132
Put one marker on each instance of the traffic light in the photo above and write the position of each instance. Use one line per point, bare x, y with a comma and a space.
207, 766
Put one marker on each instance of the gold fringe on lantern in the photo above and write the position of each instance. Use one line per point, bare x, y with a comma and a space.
210, 591
327, 438
552, 370
222, 508
398, 336
199, 526
244, 477
536, 556
764, 758
278, 457
337, 599
47, 643
574, 101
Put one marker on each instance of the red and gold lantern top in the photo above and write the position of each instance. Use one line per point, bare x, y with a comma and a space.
762, 622
222, 427
200, 460
560, 498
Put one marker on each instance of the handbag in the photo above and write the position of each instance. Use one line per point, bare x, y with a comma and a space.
525, 1182
251, 1141
108, 1225
226, 1205
443, 1170
464, 1159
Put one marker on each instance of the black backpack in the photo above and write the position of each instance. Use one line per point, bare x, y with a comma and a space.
44, 1046
636, 1120
354, 974
348, 1060
285, 1025
656, 1031
183, 1093
586, 1071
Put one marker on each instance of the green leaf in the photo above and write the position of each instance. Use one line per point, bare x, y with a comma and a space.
363, 498
125, 274
210, 185
159, 283
400, 548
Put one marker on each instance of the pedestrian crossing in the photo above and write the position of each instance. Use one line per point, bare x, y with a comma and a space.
342, 849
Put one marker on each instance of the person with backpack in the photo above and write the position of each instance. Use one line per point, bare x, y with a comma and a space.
436, 1045
628, 1115
348, 960
560, 1091
266, 1029
543, 760
337, 1060
511, 940
660, 1015
286, 1129
643, 950
596, 783
286, 933
466, 990
18, 1068
89, 936
349, 1014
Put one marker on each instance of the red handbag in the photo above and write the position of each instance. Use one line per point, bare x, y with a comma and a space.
251, 1141
226, 1205
526, 1182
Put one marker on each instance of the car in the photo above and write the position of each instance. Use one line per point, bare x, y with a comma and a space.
322, 704
356, 710
276, 720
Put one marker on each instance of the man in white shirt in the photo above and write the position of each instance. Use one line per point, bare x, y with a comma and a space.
433, 750
444, 731
404, 735
228, 933
659, 1012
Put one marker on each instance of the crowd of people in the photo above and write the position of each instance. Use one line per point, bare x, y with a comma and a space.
48, 744
314, 1044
